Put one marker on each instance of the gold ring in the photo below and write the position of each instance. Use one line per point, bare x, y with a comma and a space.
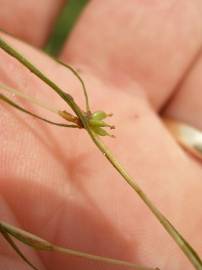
188, 137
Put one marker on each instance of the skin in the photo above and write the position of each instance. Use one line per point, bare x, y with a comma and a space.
145, 55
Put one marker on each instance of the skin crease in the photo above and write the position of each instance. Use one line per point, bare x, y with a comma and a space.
56, 184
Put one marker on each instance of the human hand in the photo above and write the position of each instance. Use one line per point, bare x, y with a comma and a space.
135, 59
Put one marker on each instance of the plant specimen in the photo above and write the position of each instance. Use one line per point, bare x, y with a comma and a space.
95, 125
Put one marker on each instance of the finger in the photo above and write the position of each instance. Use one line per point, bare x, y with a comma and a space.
186, 104
150, 44
74, 198
32, 21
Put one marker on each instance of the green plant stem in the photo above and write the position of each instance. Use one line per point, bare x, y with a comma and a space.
64, 25
178, 238
7, 100
81, 81
181, 242
38, 243
15, 247
101, 259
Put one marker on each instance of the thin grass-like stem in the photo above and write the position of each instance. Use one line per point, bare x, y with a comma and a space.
38, 243
33, 100
81, 81
17, 250
101, 259
16, 106
181, 242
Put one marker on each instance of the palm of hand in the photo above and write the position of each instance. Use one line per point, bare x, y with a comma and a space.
55, 183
